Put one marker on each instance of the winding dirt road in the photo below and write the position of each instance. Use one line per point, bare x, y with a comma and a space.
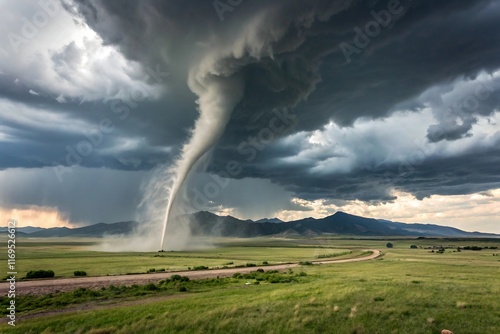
40, 287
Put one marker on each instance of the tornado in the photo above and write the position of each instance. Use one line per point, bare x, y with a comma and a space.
217, 97
267, 53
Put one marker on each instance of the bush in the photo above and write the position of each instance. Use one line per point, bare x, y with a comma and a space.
265, 263
251, 265
260, 270
306, 263
80, 273
40, 274
413, 247
152, 270
474, 248
200, 268
389, 245
182, 289
150, 287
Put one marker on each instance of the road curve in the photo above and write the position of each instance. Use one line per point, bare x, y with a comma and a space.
40, 287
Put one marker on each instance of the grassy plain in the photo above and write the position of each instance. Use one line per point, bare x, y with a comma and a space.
65, 255
405, 291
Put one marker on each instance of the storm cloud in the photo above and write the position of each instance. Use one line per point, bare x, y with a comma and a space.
340, 100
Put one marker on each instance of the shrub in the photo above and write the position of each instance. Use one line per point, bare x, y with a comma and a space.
200, 268
150, 287
80, 273
389, 245
182, 289
152, 270
260, 270
474, 248
162, 269
413, 247
306, 263
251, 265
40, 274
265, 263
79, 292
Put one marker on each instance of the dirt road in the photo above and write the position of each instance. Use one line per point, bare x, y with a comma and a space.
40, 287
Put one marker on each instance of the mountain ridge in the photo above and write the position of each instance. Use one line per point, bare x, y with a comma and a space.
207, 223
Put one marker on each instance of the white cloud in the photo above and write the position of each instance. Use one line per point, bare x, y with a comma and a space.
371, 143
61, 99
65, 58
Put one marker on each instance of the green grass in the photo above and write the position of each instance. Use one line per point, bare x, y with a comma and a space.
406, 291
65, 256
167, 287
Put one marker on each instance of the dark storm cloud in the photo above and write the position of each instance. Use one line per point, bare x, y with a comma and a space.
293, 56
423, 176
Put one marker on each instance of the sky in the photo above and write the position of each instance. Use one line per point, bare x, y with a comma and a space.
285, 108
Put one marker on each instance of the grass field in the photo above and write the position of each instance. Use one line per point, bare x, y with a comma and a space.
64, 256
405, 291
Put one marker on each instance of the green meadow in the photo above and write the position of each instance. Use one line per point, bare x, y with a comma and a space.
64, 256
404, 291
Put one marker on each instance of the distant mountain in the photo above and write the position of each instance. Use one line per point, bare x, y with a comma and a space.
269, 220
207, 223
96, 230
341, 223
52, 232
25, 229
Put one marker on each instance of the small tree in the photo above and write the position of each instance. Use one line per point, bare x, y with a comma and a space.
389, 245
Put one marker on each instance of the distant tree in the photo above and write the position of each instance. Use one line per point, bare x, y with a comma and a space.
389, 245
413, 247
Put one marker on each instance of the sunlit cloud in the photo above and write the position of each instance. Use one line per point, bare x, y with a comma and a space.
474, 212
34, 216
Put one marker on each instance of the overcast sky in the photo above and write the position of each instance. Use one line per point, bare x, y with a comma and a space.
386, 109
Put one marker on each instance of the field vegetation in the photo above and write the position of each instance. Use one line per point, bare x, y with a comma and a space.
408, 290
